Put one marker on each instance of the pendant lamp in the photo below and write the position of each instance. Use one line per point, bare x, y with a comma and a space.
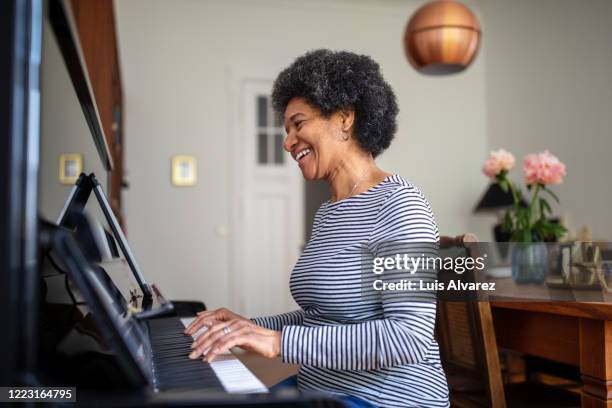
442, 37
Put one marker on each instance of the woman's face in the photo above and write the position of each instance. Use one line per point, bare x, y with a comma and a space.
315, 142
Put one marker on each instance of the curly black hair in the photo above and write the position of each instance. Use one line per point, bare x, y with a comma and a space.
334, 80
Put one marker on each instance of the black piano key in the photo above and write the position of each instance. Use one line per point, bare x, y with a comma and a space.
172, 367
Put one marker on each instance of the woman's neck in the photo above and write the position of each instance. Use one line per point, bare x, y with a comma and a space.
353, 175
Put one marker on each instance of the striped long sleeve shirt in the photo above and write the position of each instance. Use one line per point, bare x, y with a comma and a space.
347, 338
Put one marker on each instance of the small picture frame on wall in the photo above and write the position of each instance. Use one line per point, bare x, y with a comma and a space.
184, 170
70, 166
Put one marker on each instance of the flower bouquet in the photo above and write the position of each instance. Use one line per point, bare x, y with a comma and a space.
529, 225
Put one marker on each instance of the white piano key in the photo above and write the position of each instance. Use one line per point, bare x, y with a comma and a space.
235, 377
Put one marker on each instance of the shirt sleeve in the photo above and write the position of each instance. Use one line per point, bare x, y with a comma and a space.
277, 322
404, 334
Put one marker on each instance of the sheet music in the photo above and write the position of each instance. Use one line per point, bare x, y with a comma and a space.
233, 375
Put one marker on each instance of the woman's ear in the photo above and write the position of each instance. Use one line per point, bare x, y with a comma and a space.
348, 119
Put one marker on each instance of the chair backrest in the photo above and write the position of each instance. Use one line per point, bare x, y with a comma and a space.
467, 342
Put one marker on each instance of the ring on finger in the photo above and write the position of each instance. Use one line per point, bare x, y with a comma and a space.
227, 330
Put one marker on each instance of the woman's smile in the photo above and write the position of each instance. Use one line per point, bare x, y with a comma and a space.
302, 153
303, 156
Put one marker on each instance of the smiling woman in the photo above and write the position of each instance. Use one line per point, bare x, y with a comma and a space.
369, 349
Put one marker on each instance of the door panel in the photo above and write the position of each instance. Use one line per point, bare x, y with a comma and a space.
271, 227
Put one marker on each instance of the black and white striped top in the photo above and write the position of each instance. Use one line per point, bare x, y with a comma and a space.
363, 343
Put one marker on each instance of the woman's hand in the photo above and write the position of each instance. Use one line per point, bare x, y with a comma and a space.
208, 318
222, 336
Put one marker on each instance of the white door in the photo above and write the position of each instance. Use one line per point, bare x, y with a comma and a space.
270, 229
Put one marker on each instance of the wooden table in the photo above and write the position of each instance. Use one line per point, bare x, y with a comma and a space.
270, 371
577, 333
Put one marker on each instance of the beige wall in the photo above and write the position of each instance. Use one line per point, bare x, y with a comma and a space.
180, 63
548, 86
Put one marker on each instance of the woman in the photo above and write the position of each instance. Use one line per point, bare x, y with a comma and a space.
369, 348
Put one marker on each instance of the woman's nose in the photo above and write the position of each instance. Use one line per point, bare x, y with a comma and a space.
290, 142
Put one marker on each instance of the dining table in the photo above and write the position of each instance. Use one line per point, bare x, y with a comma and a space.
566, 325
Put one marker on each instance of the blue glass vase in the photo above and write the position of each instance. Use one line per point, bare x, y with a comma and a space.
529, 262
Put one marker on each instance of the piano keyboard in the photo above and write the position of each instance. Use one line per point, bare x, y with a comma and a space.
173, 369
234, 376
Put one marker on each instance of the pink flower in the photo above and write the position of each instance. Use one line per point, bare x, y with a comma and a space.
543, 168
497, 162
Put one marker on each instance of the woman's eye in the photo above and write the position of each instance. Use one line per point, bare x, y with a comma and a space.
298, 125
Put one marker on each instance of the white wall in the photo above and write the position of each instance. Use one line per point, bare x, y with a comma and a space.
180, 62
548, 86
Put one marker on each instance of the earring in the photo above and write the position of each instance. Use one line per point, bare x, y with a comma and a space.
345, 135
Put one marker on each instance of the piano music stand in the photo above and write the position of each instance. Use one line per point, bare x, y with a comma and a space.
77, 199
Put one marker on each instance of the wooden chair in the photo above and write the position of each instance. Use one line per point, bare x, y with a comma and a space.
469, 353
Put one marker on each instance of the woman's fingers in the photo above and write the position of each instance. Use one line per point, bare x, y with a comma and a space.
238, 338
198, 323
251, 337
203, 343
206, 319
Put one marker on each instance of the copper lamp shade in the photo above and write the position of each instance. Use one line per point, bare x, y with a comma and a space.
442, 37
